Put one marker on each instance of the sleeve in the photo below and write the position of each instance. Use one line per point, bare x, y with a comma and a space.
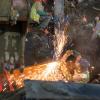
34, 15
42, 13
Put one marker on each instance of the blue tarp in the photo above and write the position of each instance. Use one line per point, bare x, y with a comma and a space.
44, 89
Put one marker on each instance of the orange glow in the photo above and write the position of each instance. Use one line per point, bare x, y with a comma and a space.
52, 71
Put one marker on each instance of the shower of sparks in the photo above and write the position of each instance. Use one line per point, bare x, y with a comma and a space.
59, 42
53, 71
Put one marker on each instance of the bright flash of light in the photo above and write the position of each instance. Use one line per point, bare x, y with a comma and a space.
51, 68
53, 64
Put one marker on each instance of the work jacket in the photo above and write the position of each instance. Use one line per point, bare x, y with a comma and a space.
37, 10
